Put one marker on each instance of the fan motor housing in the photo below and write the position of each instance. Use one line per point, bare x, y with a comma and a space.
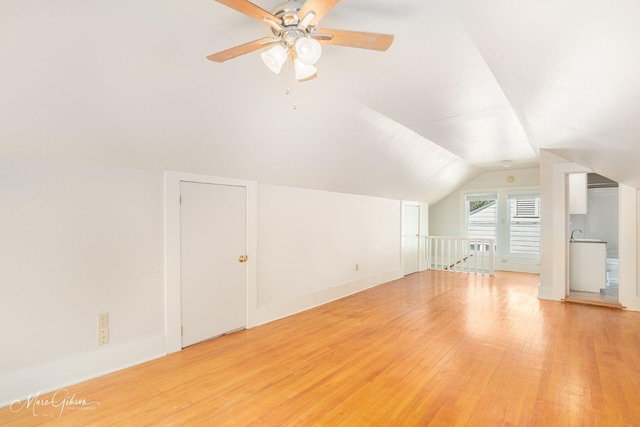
288, 12
296, 21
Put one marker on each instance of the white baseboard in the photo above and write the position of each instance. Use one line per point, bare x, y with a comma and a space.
518, 265
56, 374
277, 311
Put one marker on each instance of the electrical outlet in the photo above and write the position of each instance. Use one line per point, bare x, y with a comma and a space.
103, 320
103, 336
357, 267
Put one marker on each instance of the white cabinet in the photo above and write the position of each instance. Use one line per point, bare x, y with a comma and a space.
588, 266
577, 193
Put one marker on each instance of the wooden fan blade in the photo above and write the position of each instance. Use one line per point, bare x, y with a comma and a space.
357, 39
319, 7
251, 10
233, 52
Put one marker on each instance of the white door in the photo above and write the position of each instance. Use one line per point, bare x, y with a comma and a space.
411, 238
213, 280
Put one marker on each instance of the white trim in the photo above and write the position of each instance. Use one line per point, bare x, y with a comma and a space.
280, 310
559, 286
423, 231
172, 250
57, 374
628, 247
525, 189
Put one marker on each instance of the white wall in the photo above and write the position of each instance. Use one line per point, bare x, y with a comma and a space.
309, 242
602, 216
555, 233
628, 250
601, 220
551, 249
447, 217
77, 241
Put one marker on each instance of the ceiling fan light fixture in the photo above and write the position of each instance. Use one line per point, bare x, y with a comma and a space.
294, 28
303, 71
308, 50
274, 58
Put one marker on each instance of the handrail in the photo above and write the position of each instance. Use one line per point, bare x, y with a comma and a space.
461, 254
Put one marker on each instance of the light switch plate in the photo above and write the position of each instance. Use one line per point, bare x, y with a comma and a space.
103, 320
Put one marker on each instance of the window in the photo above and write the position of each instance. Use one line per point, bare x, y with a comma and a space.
512, 219
482, 216
525, 208
524, 223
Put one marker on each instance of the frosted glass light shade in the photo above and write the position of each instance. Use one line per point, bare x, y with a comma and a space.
303, 71
274, 58
308, 50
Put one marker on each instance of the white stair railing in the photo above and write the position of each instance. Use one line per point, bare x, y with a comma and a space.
461, 254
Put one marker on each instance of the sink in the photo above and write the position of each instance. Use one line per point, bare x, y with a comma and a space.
588, 241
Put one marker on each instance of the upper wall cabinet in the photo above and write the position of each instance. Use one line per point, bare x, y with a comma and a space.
578, 193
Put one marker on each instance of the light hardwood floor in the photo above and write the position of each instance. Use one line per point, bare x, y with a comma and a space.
434, 348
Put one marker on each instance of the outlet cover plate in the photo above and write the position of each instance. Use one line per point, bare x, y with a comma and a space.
103, 336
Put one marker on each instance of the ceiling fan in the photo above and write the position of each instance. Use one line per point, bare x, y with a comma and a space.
296, 36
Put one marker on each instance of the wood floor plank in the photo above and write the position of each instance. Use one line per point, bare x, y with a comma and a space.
433, 348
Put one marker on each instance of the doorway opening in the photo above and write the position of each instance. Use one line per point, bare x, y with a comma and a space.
593, 238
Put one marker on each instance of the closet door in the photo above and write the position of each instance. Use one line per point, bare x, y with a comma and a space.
213, 242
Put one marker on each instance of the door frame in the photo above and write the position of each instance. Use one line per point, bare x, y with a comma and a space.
405, 234
423, 226
173, 314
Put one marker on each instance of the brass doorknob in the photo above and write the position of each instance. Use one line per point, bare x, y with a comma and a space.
242, 258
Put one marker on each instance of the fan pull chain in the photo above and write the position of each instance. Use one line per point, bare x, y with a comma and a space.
287, 90
294, 105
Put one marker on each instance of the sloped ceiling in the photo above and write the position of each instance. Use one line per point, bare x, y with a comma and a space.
570, 70
465, 85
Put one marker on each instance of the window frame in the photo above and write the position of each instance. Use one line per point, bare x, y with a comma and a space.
503, 238
515, 196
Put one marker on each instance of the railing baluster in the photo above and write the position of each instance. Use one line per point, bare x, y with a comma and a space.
475, 256
483, 254
456, 255
434, 253
467, 251
452, 253
491, 259
427, 254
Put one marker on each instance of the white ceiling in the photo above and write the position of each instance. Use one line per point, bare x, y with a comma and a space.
465, 85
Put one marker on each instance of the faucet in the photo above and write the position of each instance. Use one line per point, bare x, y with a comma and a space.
571, 238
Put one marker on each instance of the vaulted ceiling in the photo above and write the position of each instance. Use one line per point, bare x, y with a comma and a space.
465, 85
